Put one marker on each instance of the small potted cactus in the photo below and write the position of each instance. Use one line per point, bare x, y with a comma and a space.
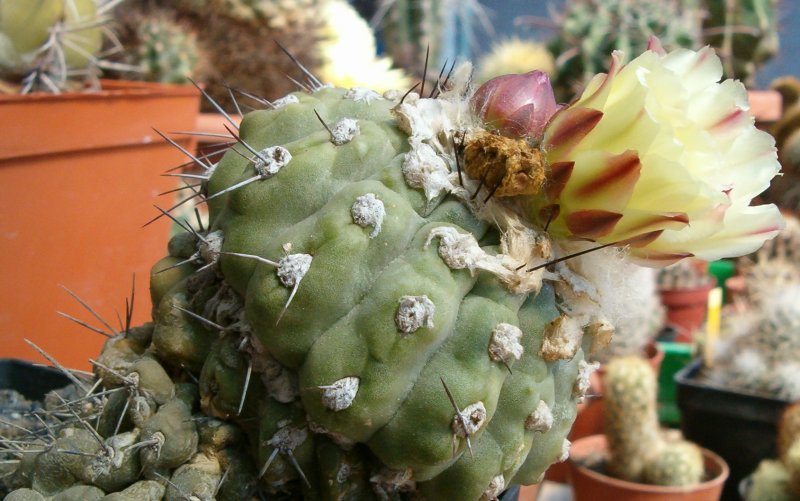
684, 289
70, 129
778, 479
394, 297
753, 374
635, 460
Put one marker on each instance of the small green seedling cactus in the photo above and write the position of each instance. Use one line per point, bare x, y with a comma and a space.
638, 451
50, 45
779, 479
166, 51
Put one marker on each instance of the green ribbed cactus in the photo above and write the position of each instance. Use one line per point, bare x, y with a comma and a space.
744, 33
166, 50
326, 338
779, 480
589, 30
51, 45
638, 452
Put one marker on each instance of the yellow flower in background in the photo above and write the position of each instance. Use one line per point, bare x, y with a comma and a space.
659, 155
514, 55
348, 51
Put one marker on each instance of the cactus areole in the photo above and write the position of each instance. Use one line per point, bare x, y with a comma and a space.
392, 308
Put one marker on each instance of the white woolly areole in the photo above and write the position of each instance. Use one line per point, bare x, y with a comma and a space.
292, 269
368, 211
495, 488
271, 160
469, 420
424, 169
562, 338
565, 446
344, 131
505, 343
210, 246
285, 100
413, 313
787, 380
541, 419
360, 94
583, 381
340, 394
461, 250
288, 438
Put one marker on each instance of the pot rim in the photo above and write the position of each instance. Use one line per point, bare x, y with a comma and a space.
600, 444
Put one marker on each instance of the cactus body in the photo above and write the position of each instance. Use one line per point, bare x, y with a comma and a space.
779, 480
639, 453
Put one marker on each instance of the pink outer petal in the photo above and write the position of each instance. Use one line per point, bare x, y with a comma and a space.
560, 172
633, 225
520, 122
618, 179
656, 259
568, 128
592, 224
654, 44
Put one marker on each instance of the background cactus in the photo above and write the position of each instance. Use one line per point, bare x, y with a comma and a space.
779, 480
514, 55
52, 45
589, 30
638, 450
744, 33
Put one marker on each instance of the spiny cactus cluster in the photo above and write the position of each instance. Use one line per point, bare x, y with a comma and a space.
744, 33
56, 45
589, 30
639, 452
163, 48
779, 480
786, 191
686, 274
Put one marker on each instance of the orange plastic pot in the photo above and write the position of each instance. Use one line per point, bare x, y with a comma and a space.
686, 310
590, 485
79, 174
589, 420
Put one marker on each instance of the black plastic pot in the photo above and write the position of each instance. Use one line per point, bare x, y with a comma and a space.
740, 427
30, 380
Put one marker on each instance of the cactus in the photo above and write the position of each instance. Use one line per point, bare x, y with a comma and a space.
440, 29
590, 29
744, 33
373, 310
638, 451
164, 49
779, 480
53, 45
514, 55
686, 274
786, 191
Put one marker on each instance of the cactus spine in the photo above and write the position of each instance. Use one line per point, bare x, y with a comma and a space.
638, 452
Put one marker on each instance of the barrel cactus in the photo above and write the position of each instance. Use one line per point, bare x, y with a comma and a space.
387, 301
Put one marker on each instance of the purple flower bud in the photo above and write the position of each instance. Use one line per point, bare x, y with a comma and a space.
516, 105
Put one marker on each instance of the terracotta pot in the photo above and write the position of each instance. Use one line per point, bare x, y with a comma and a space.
686, 310
590, 485
589, 420
79, 173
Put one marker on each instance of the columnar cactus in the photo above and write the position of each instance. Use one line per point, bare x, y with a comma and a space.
744, 33
387, 302
590, 29
638, 452
48, 46
779, 480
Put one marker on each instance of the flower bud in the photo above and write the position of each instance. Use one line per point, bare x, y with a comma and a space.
516, 105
